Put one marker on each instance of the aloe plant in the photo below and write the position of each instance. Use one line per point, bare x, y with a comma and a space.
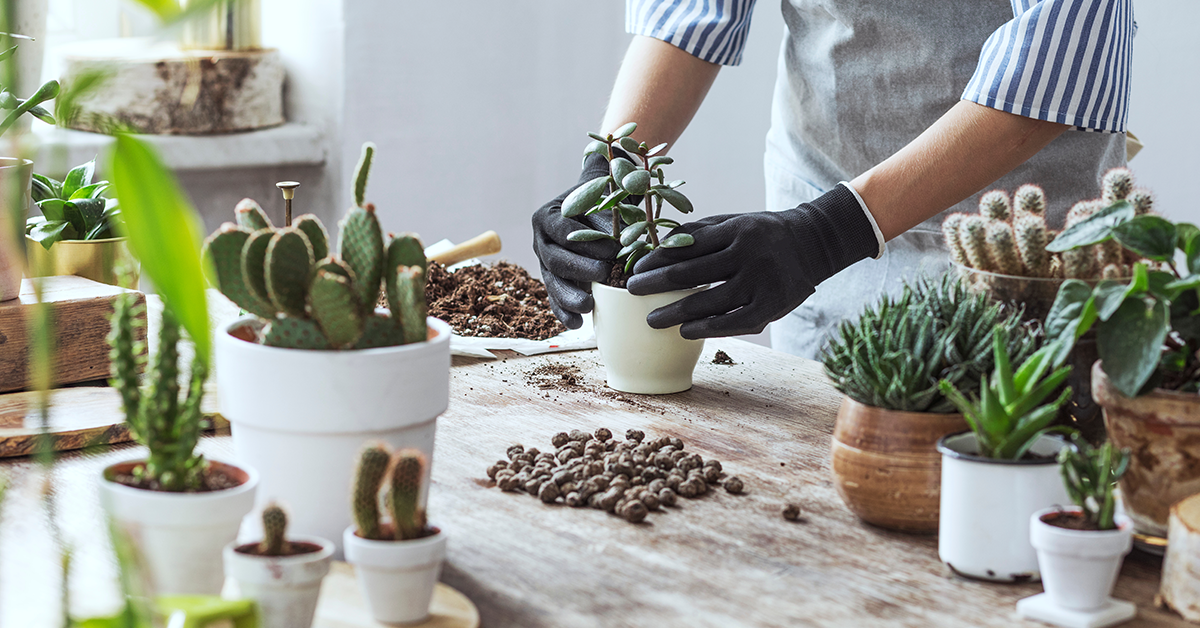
17, 107
72, 209
638, 176
1090, 474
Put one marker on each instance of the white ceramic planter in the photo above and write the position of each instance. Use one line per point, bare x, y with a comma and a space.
286, 588
397, 578
12, 221
983, 528
1079, 567
638, 358
180, 535
300, 417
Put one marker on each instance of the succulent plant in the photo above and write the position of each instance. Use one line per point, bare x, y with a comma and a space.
309, 298
158, 419
894, 355
407, 472
1090, 474
72, 209
17, 107
274, 521
639, 175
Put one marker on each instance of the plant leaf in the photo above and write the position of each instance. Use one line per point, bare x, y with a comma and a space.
1150, 236
636, 245
596, 146
91, 210
677, 200
93, 190
636, 182
588, 235
584, 197
656, 150
633, 232
631, 213
1097, 228
620, 167
1131, 343
51, 231
678, 240
625, 130
52, 208
629, 145
79, 176
44, 187
660, 161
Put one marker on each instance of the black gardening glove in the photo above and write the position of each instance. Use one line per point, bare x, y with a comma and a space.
568, 268
770, 262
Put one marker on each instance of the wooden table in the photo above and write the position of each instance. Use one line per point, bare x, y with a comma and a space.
721, 560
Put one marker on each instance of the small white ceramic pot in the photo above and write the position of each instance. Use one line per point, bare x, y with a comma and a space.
1079, 567
286, 588
638, 358
13, 173
397, 578
180, 535
983, 525
300, 417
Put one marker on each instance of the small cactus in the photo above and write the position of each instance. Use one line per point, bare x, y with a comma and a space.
407, 473
368, 480
408, 517
251, 216
1029, 230
1142, 201
1079, 263
1082, 210
1002, 249
1115, 271
995, 205
274, 521
1030, 199
950, 230
972, 233
1116, 185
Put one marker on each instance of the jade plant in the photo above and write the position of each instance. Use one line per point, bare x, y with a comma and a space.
397, 478
1008, 414
1090, 474
637, 176
894, 355
311, 298
72, 209
156, 415
1147, 330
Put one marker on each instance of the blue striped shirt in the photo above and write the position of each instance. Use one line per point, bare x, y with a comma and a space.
1065, 61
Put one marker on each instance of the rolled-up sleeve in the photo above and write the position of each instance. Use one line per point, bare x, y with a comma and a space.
712, 30
1065, 61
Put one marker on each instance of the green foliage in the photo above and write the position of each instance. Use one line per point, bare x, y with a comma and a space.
893, 356
72, 209
1008, 415
17, 107
626, 180
402, 487
1147, 331
309, 299
369, 475
274, 522
1090, 474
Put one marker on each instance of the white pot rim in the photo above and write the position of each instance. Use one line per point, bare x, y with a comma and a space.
181, 509
1042, 532
603, 287
950, 446
415, 553
441, 328
325, 550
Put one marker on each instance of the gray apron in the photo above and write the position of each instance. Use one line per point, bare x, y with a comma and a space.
857, 81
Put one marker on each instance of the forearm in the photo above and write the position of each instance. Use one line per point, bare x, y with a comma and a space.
660, 87
965, 150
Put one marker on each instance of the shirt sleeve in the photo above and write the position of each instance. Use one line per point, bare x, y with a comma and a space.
712, 30
1065, 61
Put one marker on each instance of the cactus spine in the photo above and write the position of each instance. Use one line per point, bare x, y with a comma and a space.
1116, 185
1030, 199
274, 521
1029, 230
407, 514
368, 480
995, 205
973, 236
950, 230
407, 473
1001, 248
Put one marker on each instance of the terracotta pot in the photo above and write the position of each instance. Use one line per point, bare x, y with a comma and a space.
97, 260
886, 465
12, 222
1162, 430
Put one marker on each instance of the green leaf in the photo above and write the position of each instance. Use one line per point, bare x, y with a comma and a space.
629, 145
90, 191
619, 167
598, 137
1159, 282
1187, 283
612, 200
90, 209
1095, 229
6, 54
631, 213
1150, 236
596, 146
44, 187
677, 200
660, 161
636, 245
1108, 297
678, 240
1185, 234
636, 182
1131, 343
626, 130
1004, 375
666, 222
656, 150
633, 258
52, 208
1068, 310
584, 197
164, 233
1032, 369
51, 231
633, 232
78, 177
588, 235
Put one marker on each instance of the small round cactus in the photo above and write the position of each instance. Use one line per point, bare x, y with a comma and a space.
1030, 199
1116, 185
995, 205
1142, 201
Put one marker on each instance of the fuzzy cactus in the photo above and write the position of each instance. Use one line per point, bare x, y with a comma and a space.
1030, 199
1142, 201
1082, 210
995, 205
1079, 263
408, 517
950, 231
1002, 248
274, 522
1116, 185
372, 469
972, 233
309, 298
1031, 234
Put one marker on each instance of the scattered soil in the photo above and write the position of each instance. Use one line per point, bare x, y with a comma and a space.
723, 358
618, 277
499, 301
568, 378
290, 548
1069, 521
215, 478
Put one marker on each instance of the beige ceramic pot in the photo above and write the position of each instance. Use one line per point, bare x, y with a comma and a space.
886, 465
97, 260
1162, 430
15, 176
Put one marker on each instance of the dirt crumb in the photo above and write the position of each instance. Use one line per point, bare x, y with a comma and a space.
491, 301
723, 358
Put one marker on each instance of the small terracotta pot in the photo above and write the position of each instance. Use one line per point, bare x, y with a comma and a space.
886, 465
1162, 430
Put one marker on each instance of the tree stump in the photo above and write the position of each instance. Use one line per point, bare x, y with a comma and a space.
1180, 588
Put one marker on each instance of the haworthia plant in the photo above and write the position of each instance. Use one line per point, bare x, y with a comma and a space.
312, 298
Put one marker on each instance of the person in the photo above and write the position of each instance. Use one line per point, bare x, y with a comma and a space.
886, 116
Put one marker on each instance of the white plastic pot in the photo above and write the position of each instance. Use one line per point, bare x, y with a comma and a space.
397, 578
983, 526
180, 535
638, 358
1079, 567
300, 417
286, 588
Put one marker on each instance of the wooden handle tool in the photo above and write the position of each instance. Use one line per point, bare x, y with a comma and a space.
486, 243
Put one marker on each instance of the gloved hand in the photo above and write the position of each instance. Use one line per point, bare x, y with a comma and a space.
770, 262
568, 268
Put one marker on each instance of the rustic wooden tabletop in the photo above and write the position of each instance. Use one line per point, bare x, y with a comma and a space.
719, 560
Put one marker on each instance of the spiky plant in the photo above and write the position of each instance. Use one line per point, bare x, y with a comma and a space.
402, 487
274, 521
368, 480
1090, 474
995, 205
893, 356
408, 518
309, 298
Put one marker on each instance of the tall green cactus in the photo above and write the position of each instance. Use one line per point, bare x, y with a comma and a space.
408, 517
274, 522
368, 480
309, 298
403, 487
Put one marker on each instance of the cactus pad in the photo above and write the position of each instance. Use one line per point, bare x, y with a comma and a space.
361, 172
335, 308
289, 266
372, 467
380, 330
254, 263
405, 498
251, 216
334, 265
274, 521
315, 231
290, 332
223, 249
405, 249
408, 303
360, 245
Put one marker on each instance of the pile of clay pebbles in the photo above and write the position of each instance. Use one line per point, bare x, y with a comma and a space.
627, 478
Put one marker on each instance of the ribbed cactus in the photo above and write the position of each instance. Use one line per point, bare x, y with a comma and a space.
972, 233
368, 480
1002, 249
408, 470
995, 205
310, 299
158, 419
274, 522
1030, 233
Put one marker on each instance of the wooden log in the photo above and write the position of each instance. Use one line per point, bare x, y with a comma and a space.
1180, 589
80, 321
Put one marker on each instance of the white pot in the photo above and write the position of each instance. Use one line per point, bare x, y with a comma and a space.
12, 223
983, 527
286, 588
397, 578
179, 535
300, 417
1079, 567
638, 358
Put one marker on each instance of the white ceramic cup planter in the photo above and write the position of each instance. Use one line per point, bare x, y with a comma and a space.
397, 578
301, 416
180, 535
983, 528
638, 358
1079, 567
286, 588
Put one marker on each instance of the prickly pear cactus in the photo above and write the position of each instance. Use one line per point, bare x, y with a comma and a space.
251, 216
372, 468
335, 309
224, 252
274, 521
315, 232
407, 515
361, 247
